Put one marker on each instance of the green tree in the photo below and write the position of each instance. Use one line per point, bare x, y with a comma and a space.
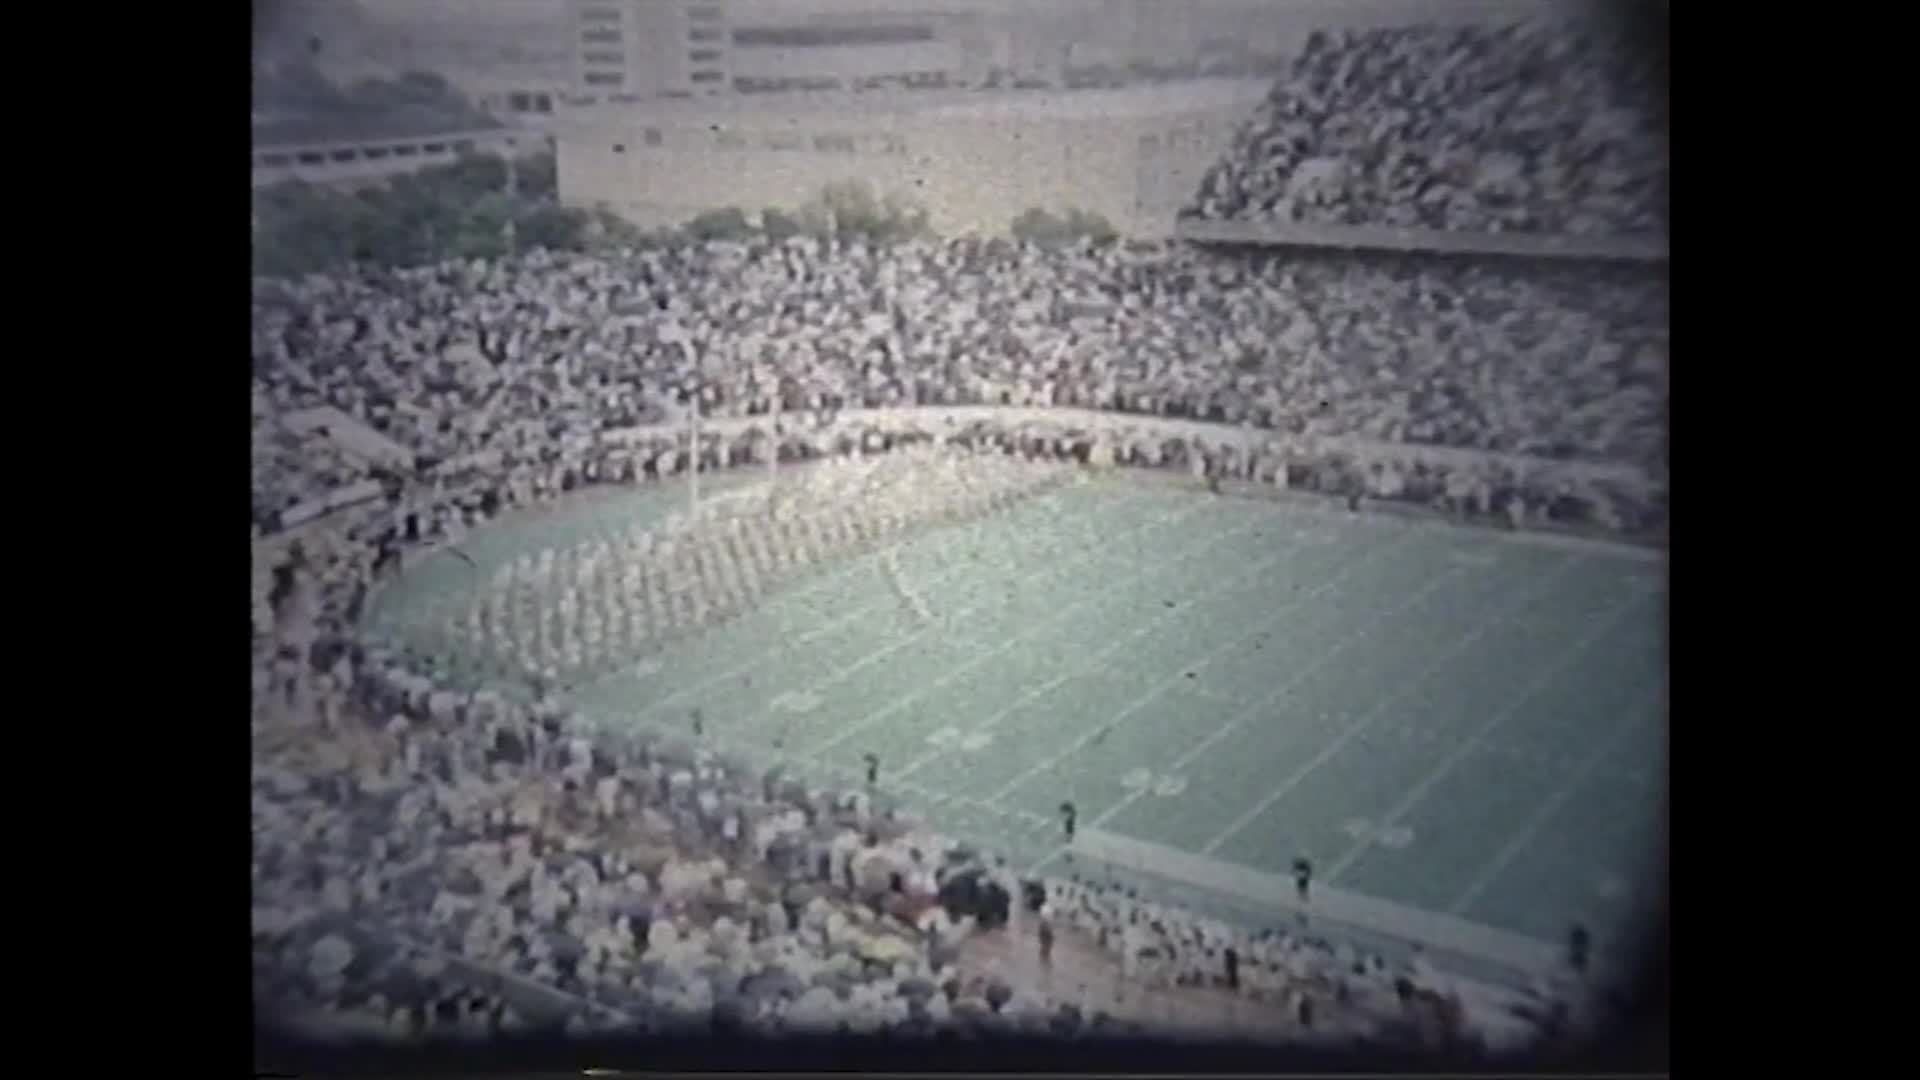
302, 230
1094, 227
849, 208
482, 228
725, 224
604, 230
539, 175
779, 225
555, 228
474, 176
1038, 226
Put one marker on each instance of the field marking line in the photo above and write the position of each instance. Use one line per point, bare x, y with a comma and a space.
1439, 660
936, 624
1330, 907
799, 639
1534, 685
1266, 700
1091, 662
753, 751
1537, 820
1213, 655
1217, 697
873, 717
1245, 710
800, 593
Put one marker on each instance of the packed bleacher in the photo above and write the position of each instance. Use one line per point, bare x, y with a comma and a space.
438, 861
1534, 127
468, 863
509, 378
432, 862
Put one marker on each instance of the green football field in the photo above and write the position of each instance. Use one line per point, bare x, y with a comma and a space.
1463, 730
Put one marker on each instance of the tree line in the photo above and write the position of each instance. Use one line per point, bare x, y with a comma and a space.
478, 207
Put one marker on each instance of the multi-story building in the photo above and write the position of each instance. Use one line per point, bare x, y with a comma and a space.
974, 160
641, 49
631, 50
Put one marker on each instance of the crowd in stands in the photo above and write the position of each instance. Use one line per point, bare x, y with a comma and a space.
520, 372
432, 860
1326, 989
1537, 127
443, 862
438, 862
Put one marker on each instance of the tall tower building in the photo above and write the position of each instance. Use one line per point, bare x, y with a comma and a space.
630, 49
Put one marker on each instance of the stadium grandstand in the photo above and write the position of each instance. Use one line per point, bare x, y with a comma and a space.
1249, 627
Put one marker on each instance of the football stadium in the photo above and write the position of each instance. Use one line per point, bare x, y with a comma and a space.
828, 624
1464, 729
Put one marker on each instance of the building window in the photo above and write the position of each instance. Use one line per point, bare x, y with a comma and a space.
706, 34
344, 155
708, 76
275, 160
651, 137
435, 148
375, 153
805, 37
703, 56
600, 15
313, 157
600, 37
703, 13
543, 103
619, 148
596, 56
604, 78
833, 144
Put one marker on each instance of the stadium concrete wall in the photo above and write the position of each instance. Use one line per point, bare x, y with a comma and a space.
974, 165
349, 162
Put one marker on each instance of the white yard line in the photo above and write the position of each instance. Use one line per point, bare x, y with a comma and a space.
1247, 710
810, 635
903, 642
751, 751
1538, 820
1533, 686
1109, 650
1039, 627
1213, 655
1330, 907
1439, 660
